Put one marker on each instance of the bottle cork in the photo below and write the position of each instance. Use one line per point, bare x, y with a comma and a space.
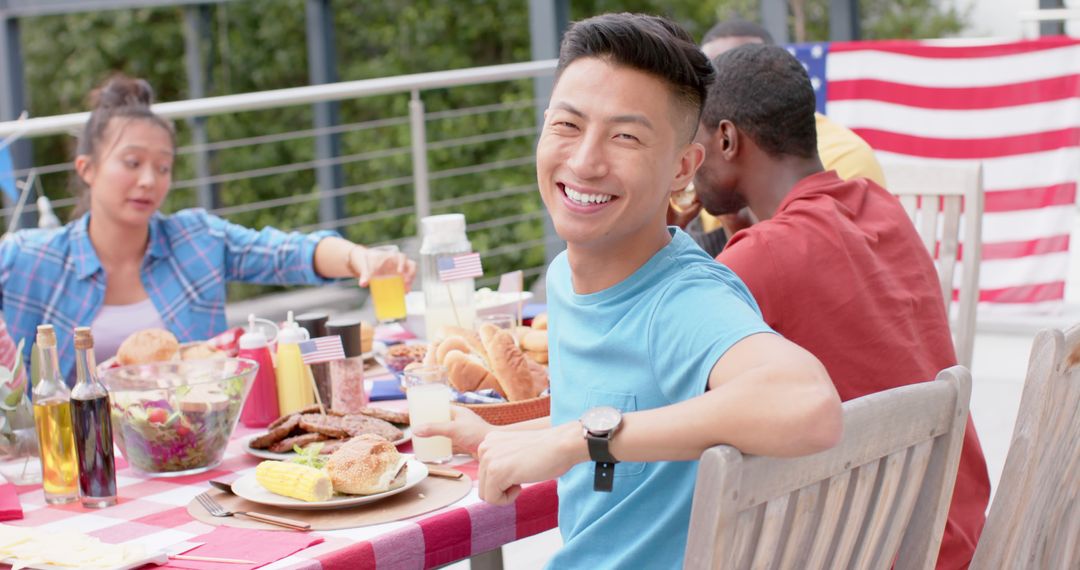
84, 339
46, 336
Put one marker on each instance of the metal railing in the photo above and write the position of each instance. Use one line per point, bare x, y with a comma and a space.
488, 168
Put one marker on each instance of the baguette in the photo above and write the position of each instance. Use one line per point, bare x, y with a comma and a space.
509, 365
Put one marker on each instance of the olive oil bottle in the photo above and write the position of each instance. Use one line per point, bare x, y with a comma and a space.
52, 416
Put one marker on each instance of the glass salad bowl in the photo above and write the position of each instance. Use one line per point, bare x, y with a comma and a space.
175, 418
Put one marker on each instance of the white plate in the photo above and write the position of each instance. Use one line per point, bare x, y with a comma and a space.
266, 454
248, 488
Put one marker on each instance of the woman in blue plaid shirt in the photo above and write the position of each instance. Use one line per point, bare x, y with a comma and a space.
123, 266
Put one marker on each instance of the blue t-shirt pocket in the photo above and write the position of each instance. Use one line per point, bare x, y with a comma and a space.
625, 403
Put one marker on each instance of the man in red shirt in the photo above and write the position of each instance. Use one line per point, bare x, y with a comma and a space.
836, 266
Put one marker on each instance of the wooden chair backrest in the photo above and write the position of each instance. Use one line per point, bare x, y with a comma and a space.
1034, 520
937, 196
880, 496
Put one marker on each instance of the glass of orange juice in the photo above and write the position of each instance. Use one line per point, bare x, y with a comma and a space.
388, 291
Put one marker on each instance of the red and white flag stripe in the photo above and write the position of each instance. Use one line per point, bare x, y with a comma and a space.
1013, 106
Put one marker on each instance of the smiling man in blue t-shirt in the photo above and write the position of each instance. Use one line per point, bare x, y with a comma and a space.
657, 351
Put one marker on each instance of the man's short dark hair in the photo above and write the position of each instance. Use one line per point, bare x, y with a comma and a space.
738, 28
651, 44
767, 94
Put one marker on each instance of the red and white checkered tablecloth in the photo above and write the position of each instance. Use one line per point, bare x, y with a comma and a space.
152, 511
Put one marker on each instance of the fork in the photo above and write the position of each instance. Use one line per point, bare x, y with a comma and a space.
215, 509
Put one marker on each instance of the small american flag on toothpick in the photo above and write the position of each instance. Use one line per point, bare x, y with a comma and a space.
459, 267
322, 349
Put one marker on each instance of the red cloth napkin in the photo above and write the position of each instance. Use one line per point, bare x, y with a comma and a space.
260, 546
10, 507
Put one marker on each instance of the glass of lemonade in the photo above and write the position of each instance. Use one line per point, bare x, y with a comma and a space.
388, 291
428, 394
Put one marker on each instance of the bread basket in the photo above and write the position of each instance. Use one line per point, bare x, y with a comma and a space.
512, 412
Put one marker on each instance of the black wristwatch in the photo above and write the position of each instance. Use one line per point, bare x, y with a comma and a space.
600, 424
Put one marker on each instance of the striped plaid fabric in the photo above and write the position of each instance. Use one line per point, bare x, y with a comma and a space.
1014, 106
54, 276
459, 267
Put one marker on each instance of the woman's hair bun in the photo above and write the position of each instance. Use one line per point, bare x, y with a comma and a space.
122, 91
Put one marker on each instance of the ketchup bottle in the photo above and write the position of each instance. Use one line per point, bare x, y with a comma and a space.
261, 406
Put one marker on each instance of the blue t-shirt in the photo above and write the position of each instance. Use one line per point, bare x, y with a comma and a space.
647, 342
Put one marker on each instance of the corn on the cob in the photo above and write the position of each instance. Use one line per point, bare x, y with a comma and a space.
294, 480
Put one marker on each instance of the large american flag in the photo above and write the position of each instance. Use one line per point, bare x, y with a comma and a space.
1014, 106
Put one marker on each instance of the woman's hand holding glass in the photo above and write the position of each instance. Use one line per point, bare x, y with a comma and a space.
388, 273
368, 262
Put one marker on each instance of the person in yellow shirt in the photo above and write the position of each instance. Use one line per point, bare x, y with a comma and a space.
840, 149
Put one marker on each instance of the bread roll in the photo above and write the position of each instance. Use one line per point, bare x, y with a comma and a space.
467, 374
366, 465
520, 332
536, 341
540, 357
539, 322
471, 337
448, 344
509, 364
144, 347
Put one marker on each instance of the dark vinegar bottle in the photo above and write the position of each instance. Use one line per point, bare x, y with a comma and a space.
92, 428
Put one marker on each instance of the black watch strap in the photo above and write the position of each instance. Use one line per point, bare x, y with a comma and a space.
598, 448
604, 476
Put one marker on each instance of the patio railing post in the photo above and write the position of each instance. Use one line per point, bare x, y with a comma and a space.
196, 30
322, 68
774, 16
547, 21
12, 104
843, 20
418, 132
1051, 28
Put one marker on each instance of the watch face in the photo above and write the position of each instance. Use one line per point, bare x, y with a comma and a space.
601, 419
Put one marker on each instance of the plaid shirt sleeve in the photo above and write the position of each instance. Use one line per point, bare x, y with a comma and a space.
269, 255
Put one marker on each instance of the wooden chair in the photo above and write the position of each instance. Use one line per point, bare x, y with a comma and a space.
944, 199
880, 496
1034, 521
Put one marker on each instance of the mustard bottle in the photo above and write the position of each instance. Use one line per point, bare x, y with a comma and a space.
295, 383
